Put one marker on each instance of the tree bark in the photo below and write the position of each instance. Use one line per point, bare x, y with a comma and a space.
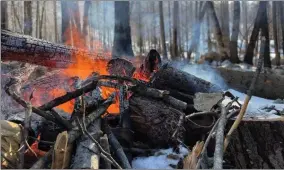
274, 22
248, 58
41, 20
250, 149
225, 23
4, 15
175, 30
162, 29
140, 30
265, 33
281, 4
122, 46
218, 31
235, 32
28, 24
269, 86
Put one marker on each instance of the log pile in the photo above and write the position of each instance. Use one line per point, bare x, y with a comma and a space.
160, 110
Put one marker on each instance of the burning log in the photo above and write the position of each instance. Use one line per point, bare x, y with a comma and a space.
75, 132
23, 48
168, 78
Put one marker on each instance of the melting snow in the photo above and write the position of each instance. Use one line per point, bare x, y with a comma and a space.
159, 160
258, 108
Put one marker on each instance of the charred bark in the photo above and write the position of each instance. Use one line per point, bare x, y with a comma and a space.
257, 145
122, 33
175, 30
17, 47
275, 34
169, 77
154, 120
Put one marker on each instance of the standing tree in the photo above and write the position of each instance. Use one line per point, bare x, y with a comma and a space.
175, 29
4, 16
274, 21
87, 6
235, 32
218, 31
162, 29
281, 4
28, 24
140, 28
225, 24
254, 35
122, 32
55, 21
196, 31
265, 33
65, 25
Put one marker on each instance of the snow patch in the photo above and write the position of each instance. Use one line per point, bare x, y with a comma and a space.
258, 108
160, 159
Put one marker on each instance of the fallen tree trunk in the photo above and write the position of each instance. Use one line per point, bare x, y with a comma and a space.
269, 85
23, 48
179, 82
257, 145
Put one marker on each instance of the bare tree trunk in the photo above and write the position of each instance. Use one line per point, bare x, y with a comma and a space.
76, 15
37, 19
175, 31
87, 6
235, 32
170, 29
209, 42
16, 16
265, 33
196, 33
254, 35
28, 24
218, 31
65, 23
41, 20
226, 29
162, 30
4, 15
140, 28
55, 22
244, 5
274, 22
281, 4
122, 45
153, 30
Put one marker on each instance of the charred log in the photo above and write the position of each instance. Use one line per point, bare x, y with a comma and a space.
154, 120
183, 82
23, 48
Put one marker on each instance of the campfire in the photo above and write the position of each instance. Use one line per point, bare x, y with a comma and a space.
116, 108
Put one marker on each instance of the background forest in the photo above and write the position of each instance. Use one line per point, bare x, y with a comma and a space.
177, 29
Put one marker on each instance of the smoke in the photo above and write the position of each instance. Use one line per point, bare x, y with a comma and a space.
203, 71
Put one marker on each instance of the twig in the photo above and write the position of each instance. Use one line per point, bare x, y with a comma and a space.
202, 125
200, 114
248, 96
218, 154
42, 141
180, 122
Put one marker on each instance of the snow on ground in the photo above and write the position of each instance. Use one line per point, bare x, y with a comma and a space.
258, 108
160, 160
